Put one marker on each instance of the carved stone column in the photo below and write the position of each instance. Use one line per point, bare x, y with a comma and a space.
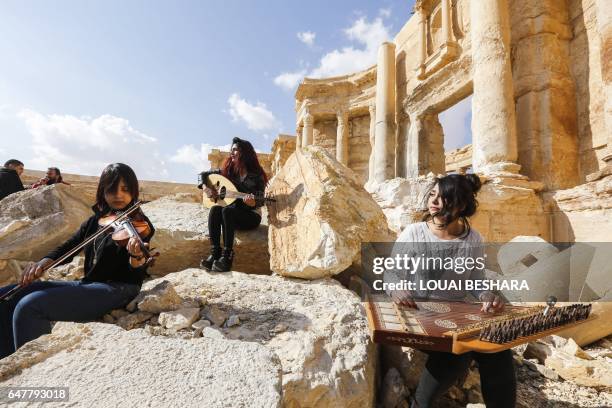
402, 145
447, 30
342, 133
372, 109
298, 138
307, 132
493, 114
422, 39
384, 142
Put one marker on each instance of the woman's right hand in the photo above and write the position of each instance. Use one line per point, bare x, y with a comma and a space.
404, 298
34, 271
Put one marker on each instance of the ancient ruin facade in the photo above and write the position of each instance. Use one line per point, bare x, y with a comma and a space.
282, 148
539, 75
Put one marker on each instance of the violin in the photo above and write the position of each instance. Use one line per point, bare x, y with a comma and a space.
133, 226
125, 225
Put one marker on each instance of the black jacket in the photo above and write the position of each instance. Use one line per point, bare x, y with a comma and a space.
9, 182
105, 261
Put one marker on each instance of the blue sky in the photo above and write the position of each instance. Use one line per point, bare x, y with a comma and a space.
158, 84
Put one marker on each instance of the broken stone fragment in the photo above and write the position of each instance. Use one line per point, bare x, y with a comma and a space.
161, 298
216, 315
132, 320
179, 319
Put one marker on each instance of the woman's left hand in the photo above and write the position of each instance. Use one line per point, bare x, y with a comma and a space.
249, 200
133, 247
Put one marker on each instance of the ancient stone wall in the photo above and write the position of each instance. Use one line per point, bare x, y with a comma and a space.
584, 48
359, 146
282, 147
325, 134
544, 91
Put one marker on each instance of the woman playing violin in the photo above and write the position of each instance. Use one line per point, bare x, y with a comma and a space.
113, 273
243, 169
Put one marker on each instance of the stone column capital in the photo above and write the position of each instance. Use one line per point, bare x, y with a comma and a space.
308, 119
342, 116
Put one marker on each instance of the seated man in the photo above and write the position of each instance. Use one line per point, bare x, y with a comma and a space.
9, 178
53, 176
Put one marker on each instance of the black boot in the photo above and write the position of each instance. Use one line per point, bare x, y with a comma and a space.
215, 254
224, 263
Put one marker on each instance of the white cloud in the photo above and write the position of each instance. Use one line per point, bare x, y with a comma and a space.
307, 37
257, 117
385, 13
194, 157
86, 145
368, 35
456, 124
289, 80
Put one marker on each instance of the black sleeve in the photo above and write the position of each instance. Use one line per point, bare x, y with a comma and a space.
72, 242
260, 187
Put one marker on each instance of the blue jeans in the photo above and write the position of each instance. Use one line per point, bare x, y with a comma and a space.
28, 314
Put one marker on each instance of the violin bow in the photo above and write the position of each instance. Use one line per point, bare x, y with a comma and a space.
8, 295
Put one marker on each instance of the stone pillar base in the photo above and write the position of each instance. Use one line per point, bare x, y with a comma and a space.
507, 174
501, 169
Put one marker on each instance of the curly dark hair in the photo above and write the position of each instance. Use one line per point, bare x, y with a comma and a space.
458, 194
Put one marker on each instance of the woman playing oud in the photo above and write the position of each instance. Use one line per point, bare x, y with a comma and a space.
243, 169
447, 232
113, 273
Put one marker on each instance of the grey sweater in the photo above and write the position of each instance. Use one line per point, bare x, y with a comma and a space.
418, 241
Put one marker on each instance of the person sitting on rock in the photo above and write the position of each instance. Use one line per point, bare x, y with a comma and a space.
113, 274
243, 169
9, 178
446, 230
54, 176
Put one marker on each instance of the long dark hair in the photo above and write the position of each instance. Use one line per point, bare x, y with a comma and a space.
246, 161
109, 182
458, 194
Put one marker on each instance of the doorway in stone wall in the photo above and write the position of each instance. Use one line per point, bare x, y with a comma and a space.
456, 123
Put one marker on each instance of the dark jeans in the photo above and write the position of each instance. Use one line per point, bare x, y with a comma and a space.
232, 217
28, 314
497, 377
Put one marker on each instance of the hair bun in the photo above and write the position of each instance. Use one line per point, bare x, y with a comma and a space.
474, 181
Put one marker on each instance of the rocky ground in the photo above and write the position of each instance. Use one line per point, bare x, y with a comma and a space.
316, 330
